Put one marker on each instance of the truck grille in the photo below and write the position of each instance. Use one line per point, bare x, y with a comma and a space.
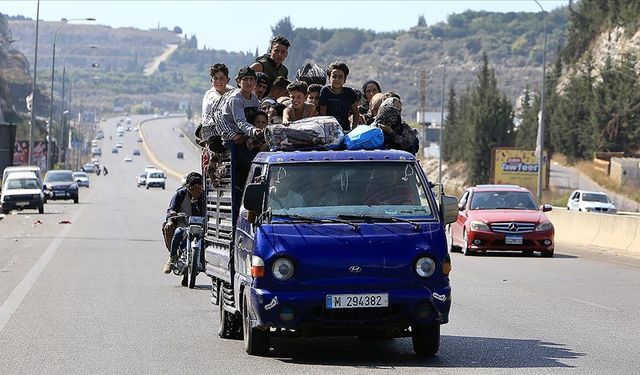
361, 315
513, 227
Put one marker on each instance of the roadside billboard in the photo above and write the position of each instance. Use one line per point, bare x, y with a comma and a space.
518, 167
21, 154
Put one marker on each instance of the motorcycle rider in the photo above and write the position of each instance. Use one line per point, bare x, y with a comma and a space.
190, 201
105, 170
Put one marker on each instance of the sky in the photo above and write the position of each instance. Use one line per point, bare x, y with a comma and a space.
245, 25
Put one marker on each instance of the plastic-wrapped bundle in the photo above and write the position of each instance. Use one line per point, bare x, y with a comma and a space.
309, 133
312, 73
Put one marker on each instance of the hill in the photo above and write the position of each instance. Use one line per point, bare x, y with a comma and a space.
513, 42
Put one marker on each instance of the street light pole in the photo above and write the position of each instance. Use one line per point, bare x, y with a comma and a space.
64, 71
33, 92
440, 144
53, 66
540, 142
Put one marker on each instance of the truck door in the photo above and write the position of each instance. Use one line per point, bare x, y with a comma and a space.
245, 233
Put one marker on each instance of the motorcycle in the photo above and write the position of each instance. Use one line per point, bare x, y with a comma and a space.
188, 264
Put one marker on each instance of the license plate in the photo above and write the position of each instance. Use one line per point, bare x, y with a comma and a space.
59, 193
353, 301
513, 240
22, 204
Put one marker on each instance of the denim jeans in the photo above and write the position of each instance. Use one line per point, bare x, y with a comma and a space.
179, 240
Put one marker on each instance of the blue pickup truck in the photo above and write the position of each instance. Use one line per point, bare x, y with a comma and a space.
329, 243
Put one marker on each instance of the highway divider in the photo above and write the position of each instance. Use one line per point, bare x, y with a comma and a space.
619, 232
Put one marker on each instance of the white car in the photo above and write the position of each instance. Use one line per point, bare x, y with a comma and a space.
81, 178
22, 190
591, 201
141, 179
128, 159
156, 178
119, 145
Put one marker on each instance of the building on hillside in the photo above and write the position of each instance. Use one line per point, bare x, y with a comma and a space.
625, 171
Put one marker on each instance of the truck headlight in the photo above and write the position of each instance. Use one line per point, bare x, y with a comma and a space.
425, 267
282, 269
478, 225
544, 226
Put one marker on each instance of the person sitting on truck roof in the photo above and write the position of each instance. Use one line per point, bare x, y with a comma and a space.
398, 135
273, 63
263, 85
298, 109
220, 84
337, 100
313, 95
190, 201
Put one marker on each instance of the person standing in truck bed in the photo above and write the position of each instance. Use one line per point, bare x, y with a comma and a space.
273, 63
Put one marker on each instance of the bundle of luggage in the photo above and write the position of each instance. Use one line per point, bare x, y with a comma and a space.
309, 133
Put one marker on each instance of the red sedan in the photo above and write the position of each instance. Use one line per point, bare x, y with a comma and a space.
501, 218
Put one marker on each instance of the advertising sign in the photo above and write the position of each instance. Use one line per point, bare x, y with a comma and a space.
21, 154
518, 167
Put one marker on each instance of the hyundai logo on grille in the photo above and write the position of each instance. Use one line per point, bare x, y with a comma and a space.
355, 269
513, 227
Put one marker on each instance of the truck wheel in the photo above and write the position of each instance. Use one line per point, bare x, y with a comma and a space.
256, 341
41, 209
228, 324
426, 340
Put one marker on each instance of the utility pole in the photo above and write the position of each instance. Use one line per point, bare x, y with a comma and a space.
33, 92
423, 105
440, 142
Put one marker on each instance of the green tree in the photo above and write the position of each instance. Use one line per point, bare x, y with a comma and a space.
453, 148
488, 121
526, 133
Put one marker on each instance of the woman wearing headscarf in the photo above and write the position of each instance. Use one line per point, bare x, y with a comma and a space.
369, 89
398, 134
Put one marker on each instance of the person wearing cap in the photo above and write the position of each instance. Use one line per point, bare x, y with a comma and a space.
263, 85
190, 201
273, 63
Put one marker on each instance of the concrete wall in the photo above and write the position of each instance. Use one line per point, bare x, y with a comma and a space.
620, 232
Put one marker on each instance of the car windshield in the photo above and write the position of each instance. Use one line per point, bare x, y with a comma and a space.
156, 175
594, 197
59, 177
23, 183
496, 200
329, 190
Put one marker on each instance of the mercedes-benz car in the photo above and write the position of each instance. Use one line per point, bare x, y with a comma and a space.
501, 218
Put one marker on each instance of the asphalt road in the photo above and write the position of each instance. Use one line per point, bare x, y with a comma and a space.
90, 297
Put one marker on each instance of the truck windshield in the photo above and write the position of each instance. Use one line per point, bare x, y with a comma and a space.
329, 190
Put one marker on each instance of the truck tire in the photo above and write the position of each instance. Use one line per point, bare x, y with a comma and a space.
228, 324
426, 340
256, 341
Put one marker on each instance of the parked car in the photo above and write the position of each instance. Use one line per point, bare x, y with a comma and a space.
156, 178
136, 152
22, 190
139, 139
22, 168
119, 145
502, 218
141, 179
114, 150
81, 178
128, 159
59, 185
591, 201
180, 155
96, 151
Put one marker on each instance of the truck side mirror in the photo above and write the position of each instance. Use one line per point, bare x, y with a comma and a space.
254, 197
449, 208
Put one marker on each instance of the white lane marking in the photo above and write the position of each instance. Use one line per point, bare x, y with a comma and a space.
592, 304
9, 307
